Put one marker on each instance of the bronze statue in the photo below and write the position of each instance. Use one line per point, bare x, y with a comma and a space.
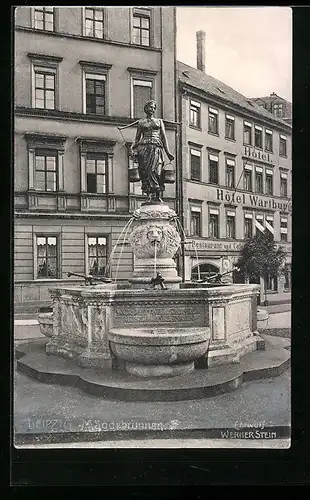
148, 147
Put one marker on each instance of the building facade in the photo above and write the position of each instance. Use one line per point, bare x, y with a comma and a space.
276, 105
80, 73
236, 171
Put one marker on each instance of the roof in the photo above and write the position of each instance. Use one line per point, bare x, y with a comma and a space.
269, 98
200, 80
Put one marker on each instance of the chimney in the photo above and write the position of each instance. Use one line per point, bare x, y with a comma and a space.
201, 50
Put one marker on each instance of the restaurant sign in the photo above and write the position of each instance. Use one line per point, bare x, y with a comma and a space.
220, 246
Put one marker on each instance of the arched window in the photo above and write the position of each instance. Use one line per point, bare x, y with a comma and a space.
203, 271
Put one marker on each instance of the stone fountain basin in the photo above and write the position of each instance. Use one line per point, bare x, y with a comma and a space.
159, 346
45, 320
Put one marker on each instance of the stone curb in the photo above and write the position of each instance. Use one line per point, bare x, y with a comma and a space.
253, 366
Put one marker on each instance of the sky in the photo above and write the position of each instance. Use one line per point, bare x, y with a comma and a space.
247, 48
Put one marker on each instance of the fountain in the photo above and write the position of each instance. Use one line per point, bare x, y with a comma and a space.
158, 339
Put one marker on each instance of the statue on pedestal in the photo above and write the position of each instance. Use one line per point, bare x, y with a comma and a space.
148, 147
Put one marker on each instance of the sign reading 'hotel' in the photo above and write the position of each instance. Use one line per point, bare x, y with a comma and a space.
256, 154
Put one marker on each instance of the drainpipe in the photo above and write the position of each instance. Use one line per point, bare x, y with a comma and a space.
179, 177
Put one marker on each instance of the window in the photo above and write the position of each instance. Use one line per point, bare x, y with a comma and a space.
213, 169
95, 89
141, 27
283, 228
269, 182
96, 173
142, 92
194, 119
46, 170
282, 146
230, 173
258, 136
94, 22
44, 85
268, 140
247, 178
97, 255
230, 127
213, 223
96, 160
283, 185
258, 180
278, 110
259, 223
247, 133
44, 88
47, 257
248, 225
195, 159
195, 221
230, 225
269, 224
213, 121
44, 18
45, 162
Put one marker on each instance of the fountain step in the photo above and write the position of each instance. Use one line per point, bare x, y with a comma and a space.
33, 361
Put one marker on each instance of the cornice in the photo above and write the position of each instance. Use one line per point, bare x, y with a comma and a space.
56, 114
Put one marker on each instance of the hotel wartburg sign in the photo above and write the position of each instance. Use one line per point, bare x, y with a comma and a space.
252, 200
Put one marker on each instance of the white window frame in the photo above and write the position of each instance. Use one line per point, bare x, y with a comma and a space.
41, 142
95, 234
249, 217
197, 105
33, 19
50, 232
195, 209
47, 69
146, 81
145, 12
230, 213
95, 76
104, 21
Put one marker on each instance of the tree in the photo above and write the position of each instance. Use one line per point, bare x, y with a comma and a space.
260, 257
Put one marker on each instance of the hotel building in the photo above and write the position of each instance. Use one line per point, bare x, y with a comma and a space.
80, 73
236, 174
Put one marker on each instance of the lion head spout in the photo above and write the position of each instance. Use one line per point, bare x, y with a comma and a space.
149, 238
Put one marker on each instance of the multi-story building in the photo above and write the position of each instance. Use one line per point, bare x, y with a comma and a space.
236, 173
276, 105
80, 73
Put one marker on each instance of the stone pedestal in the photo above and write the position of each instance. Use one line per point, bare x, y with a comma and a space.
155, 241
